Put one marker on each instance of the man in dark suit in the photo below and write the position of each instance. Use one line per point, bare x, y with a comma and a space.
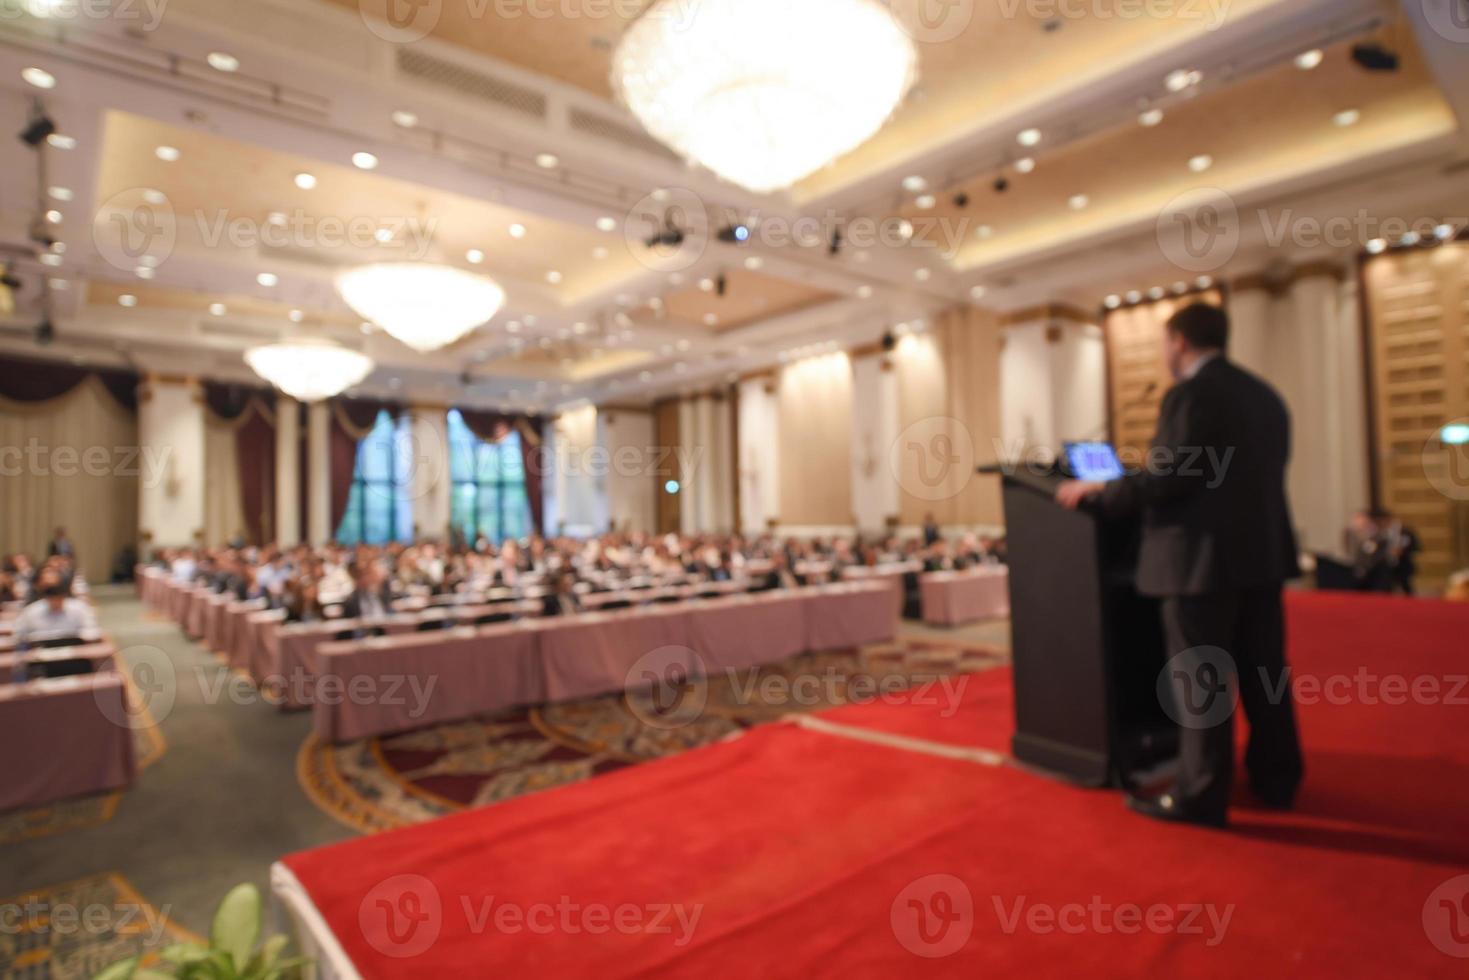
1217, 548
373, 596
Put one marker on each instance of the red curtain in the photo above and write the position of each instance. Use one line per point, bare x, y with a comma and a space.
255, 452
494, 427
352, 420
26, 380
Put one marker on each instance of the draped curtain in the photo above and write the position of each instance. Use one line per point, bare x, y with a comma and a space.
493, 427
240, 466
69, 456
352, 421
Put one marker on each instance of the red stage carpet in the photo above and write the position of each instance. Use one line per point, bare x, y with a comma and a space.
806, 854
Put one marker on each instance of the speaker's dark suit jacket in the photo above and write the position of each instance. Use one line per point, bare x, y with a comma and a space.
1213, 495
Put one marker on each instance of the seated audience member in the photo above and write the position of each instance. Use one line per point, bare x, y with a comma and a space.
60, 545
372, 597
8, 590
302, 602
56, 615
780, 575
1383, 552
932, 534
563, 602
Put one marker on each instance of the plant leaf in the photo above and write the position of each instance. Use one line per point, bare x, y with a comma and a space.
266, 956
237, 924
182, 953
152, 975
121, 970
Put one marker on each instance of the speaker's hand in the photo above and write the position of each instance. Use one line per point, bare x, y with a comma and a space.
1073, 493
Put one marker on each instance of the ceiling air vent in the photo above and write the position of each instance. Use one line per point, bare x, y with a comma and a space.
474, 84
614, 132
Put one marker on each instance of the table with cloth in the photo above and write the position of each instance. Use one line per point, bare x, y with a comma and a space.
955, 598
64, 737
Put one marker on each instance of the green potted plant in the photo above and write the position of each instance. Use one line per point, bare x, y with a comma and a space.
231, 953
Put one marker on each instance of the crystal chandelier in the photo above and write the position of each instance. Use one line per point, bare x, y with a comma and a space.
764, 92
423, 305
309, 370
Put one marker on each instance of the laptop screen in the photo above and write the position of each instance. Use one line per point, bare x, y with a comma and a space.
1093, 461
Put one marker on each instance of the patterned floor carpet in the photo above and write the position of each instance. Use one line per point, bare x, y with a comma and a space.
380, 783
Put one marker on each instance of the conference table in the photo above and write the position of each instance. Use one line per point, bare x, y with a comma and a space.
64, 737
394, 683
101, 654
969, 596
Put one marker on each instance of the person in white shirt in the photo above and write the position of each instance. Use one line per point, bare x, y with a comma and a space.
56, 615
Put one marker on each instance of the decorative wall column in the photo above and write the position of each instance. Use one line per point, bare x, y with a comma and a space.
287, 471
171, 427
758, 466
1250, 325
319, 481
876, 497
430, 482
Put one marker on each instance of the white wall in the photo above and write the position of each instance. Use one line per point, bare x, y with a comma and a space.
1053, 385
875, 493
171, 427
576, 493
627, 437
759, 456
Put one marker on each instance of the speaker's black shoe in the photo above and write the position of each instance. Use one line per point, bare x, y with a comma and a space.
1168, 807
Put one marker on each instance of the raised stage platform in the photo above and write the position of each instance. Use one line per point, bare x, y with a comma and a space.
896, 839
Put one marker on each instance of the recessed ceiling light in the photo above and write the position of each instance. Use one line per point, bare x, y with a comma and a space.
579, 328
474, 256
223, 61
754, 262
706, 285
1409, 238
154, 197
923, 274
513, 326
600, 252
51, 259
1347, 117
661, 195
1180, 287
60, 193
711, 319
168, 154
553, 277
1181, 79
984, 231
383, 235
1200, 163
1134, 296
977, 292
1377, 245
1150, 117
1028, 137
925, 201
61, 141
405, 119
363, 160
517, 231
1204, 282
905, 229
54, 216
1025, 164
1078, 201
296, 316
128, 300
60, 247
59, 284
39, 77
276, 218
864, 291
1307, 60
217, 309
547, 161
151, 261
915, 184
305, 181
1155, 293
267, 279
1112, 302
1443, 232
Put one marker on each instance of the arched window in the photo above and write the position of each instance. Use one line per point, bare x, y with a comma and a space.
380, 507
489, 485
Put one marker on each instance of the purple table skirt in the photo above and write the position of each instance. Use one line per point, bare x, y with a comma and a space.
952, 598
64, 737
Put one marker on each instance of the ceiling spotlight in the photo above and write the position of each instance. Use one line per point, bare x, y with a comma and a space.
977, 292
1028, 137
154, 197
915, 184
706, 285
1133, 296
144, 272
383, 235
267, 279
1112, 302
721, 285
168, 154
221, 61
1025, 164
54, 216
1374, 57
60, 193
1150, 117
305, 181
517, 231
983, 231
923, 274
1204, 282
363, 160
60, 141
474, 256
1156, 292
1078, 201
1410, 238
1377, 246
734, 234
1001, 185
1182, 79
606, 223
961, 200
547, 161
128, 300
925, 201
217, 309
39, 77
553, 277
1180, 287
1200, 163
1443, 232
404, 119
1347, 117
754, 263
905, 230
51, 259
1307, 60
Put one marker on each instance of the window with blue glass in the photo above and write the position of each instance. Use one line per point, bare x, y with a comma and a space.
489, 485
380, 506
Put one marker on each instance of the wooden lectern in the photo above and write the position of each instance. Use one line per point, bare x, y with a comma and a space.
1087, 648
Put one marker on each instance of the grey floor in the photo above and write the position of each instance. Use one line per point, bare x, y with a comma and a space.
222, 803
